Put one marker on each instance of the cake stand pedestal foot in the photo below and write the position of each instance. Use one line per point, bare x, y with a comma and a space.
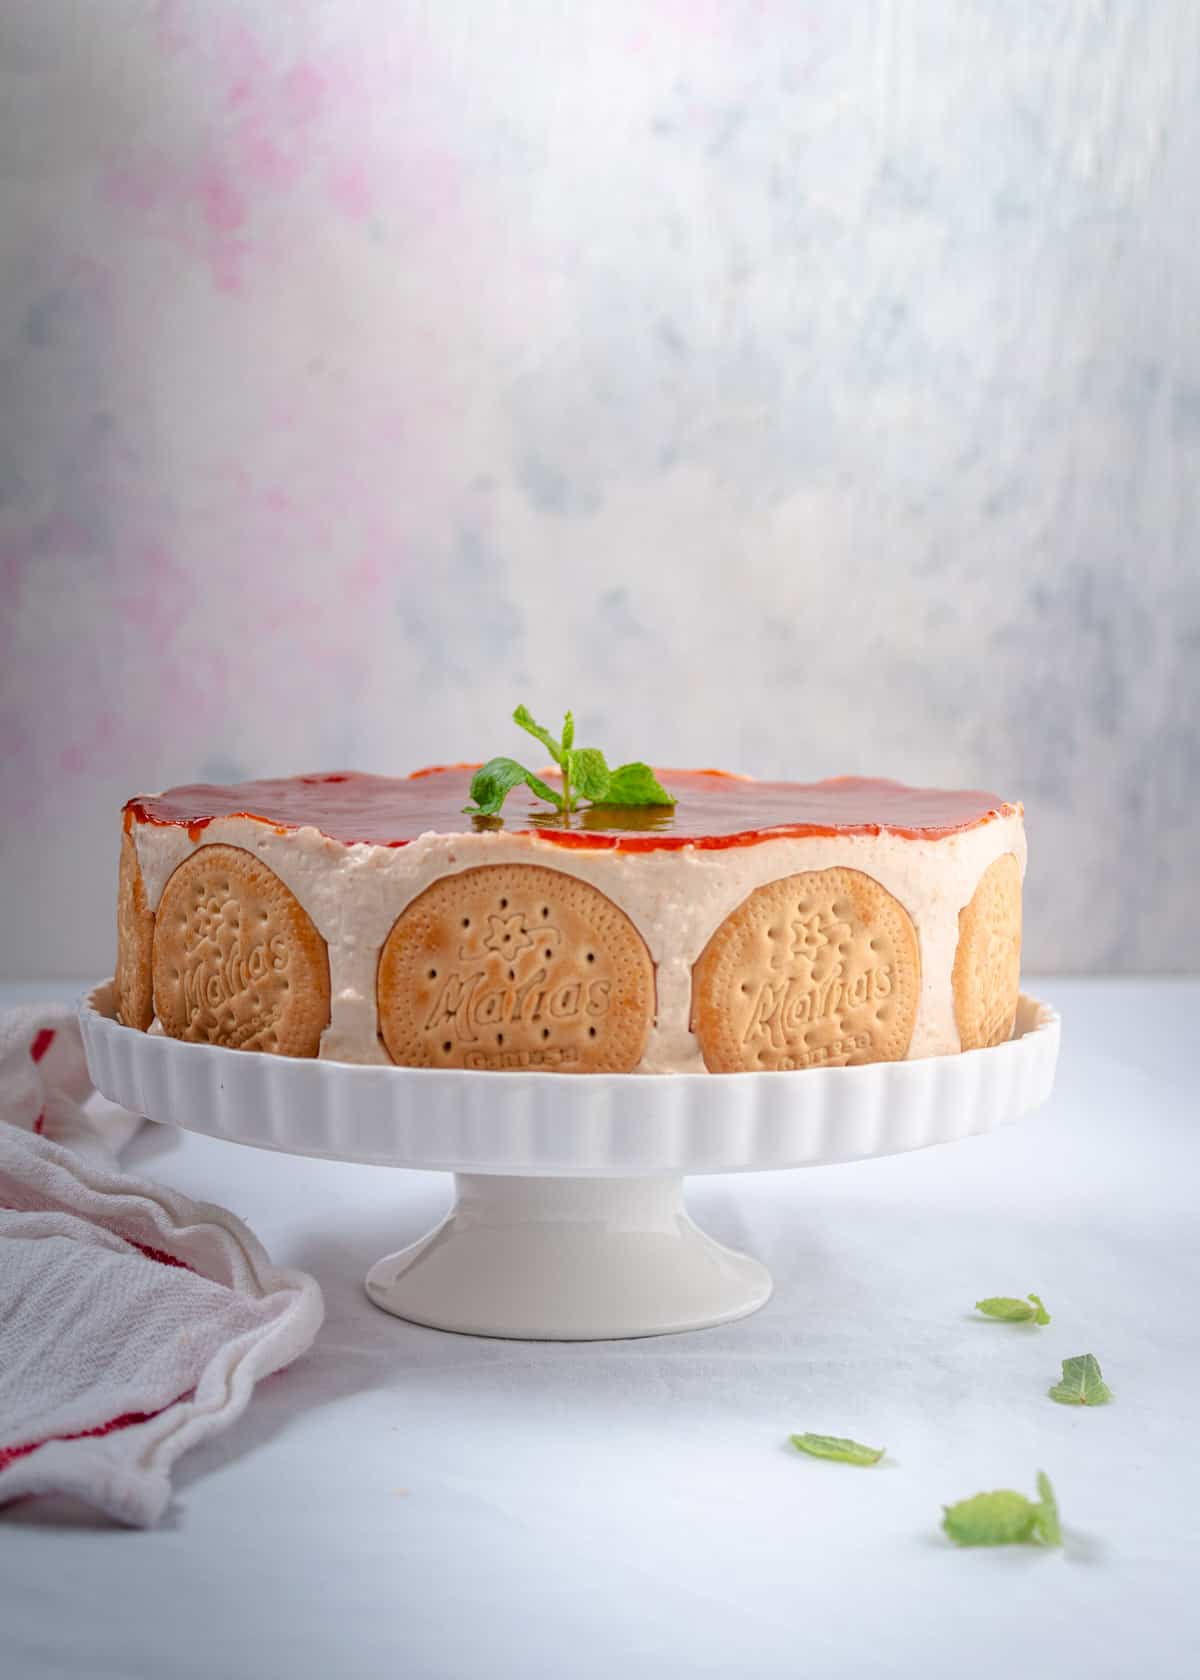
568, 1259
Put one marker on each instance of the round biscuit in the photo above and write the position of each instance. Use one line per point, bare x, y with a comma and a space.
987, 963
135, 939
514, 966
820, 969
236, 959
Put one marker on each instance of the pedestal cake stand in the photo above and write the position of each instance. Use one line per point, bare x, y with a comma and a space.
569, 1221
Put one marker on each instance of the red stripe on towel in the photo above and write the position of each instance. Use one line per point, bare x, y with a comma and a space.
9, 1454
159, 1254
41, 1043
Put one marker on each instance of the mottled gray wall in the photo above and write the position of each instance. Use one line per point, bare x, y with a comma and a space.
798, 388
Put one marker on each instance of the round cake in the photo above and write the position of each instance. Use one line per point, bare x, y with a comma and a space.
749, 927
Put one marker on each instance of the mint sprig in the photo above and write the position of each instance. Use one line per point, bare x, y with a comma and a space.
585, 775
1005, 1518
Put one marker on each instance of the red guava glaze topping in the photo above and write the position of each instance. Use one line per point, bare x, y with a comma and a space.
714, 809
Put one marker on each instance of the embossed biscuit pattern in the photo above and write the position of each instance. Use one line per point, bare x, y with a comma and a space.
987, 962
820, 969
514, 966
236, 959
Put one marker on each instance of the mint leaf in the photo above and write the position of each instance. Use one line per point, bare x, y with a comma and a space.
1005, 1518
543, 789
1082, 1384
589, 773
991, 1519
837, 1447
494, 781
1013, 1311
636, 784
523, 718
1046, 1518
568, 734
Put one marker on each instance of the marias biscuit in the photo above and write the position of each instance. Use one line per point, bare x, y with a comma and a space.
236, 960
817, 970
515, 966
987, 964
135, 935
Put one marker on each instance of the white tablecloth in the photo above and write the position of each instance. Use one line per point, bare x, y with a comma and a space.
409, 1503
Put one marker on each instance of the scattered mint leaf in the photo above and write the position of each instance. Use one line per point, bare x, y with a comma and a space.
589, 774
1013, 1311
1048, 1525
836, 1446
494, 781
1005, 1518
523, 718
585, 775
990, 1519
1082, 1384
636, 784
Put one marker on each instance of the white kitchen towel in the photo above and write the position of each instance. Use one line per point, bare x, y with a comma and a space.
45, 1087
134, 1322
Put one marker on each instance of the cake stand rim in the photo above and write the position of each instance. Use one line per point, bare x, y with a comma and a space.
521, 1124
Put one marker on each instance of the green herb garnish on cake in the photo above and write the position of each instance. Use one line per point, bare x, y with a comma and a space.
585, 776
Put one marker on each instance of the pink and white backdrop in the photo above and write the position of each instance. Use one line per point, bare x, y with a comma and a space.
802, 388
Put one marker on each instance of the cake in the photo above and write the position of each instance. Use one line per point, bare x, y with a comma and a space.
748, 927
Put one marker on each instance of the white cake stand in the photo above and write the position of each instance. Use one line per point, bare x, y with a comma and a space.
569, 1222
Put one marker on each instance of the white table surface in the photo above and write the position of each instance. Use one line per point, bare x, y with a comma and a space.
403, 1502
